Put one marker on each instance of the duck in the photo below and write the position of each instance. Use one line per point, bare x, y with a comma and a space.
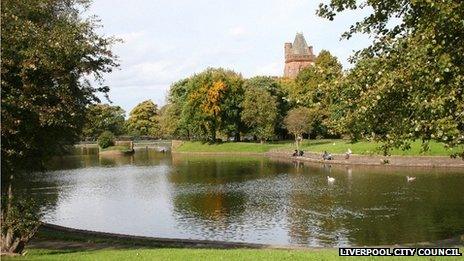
330, 179
409, 179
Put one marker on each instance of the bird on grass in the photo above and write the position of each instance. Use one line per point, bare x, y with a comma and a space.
409, 179
330, 179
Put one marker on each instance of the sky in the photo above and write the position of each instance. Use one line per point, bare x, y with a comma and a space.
168, 40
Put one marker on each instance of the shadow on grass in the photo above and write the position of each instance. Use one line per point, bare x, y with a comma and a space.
62, 238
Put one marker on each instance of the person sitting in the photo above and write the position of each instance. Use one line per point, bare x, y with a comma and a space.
300, 153
348, 154
327, 156
295, 154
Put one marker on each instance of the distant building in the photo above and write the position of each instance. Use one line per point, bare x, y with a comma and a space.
297, 56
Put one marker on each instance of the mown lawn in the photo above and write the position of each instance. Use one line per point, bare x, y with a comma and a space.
372, 148
332, 146
200, 254
237, 147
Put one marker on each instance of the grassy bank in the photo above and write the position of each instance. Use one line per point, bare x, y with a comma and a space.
332, 146
199, 254
238, 147
64, 245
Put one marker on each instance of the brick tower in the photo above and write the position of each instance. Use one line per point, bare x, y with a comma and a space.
297, 56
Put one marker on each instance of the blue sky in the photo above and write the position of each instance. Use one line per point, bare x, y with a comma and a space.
165, 41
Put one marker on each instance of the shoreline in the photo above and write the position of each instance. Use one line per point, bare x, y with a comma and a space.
354, 160
374, 160
87, 239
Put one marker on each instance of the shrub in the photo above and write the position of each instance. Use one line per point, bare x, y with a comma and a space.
106, 139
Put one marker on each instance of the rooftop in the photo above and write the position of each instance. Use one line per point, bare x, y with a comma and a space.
299, 45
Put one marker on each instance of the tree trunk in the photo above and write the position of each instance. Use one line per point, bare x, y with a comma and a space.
297, 142
237, 137
11, 242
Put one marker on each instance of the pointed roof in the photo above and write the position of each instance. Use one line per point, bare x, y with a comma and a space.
299, 45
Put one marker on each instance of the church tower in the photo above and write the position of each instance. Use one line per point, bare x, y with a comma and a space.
297, 56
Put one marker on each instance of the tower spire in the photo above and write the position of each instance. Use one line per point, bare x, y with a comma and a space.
297, 56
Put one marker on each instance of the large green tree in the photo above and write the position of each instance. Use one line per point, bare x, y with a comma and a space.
413, 86
208, 103
318, 87
101, 118
274, 87
259, 112
48, 54
144, 119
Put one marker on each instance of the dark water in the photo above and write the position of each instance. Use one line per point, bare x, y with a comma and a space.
250, 199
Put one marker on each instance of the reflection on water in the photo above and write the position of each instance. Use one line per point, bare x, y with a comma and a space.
252, 199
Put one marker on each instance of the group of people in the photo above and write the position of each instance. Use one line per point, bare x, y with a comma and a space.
298, 153
325, 156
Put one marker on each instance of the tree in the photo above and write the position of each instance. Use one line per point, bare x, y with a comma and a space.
299, 121
259, 112
209, 102
106, 139
103, 117
144, 119
171, 120
274, 88
414, 91
319, 86
48, 53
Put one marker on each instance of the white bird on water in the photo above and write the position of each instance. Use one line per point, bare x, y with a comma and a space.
330, 179
409, 179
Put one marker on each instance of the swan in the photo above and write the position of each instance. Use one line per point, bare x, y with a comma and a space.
409, 179
330, 179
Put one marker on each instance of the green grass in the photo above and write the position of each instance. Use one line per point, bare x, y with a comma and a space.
128, 249
236, 147
372, 148
332, 146
200, 254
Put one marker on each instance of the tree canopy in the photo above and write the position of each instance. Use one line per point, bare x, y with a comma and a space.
259, 112
49, 53
412, 74
208, 103
103, 117
299, 121
318, 88
144, 119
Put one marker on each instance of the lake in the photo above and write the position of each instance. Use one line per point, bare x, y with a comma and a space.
249, 199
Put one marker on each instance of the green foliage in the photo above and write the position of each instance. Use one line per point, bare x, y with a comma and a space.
207, 103
144, 120
46, 50
106, 139
412, 74
49, 53
103, 117
259, 112
318, 87
21, 222
171, 121
275, 89
299, 121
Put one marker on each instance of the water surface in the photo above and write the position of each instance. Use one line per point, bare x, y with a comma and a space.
249, 199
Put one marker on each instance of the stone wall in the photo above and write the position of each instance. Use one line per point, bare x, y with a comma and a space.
294, 67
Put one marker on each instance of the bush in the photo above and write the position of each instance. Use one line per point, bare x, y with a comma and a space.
106, 139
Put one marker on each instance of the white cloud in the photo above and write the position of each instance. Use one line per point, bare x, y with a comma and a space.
270, 69
237, 31
165, 41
